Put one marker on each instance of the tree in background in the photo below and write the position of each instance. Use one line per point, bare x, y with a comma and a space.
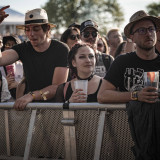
65, 12
154, 9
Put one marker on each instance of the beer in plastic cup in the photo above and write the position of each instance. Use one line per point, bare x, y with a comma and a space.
81, 84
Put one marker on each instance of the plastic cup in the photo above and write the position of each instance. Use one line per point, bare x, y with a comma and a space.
10, 69
82, 84
151, 79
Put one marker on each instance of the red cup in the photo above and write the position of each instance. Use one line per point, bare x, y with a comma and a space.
10, 69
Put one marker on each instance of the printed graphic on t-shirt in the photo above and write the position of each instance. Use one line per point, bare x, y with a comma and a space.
100, 71
133, 79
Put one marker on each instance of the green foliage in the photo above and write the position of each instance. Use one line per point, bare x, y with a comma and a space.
104, 12
154, 9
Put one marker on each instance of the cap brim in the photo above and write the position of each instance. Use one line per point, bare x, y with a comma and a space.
128, 27
89, 27
23, 26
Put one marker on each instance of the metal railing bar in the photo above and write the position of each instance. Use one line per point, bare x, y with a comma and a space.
100, 132
30, 134
7, 133
72, 106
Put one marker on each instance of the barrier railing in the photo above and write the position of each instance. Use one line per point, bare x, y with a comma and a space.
82, 131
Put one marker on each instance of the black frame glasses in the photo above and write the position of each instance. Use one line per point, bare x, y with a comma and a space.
87, 34
143, 30
73, 37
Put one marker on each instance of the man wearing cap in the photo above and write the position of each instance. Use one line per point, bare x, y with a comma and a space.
44, 60
124, 81
89, 34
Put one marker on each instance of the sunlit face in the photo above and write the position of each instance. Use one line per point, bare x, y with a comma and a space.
90, 35
36, 35
146, 41
73, 38
9, 44
115, 38
84, 60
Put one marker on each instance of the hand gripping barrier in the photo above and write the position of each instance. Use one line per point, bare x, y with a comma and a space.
82, 131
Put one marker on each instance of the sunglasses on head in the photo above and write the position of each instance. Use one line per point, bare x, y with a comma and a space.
73, 37
87, 34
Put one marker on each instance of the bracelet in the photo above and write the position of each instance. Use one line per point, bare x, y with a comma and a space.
33, 95
43, 95
134, 95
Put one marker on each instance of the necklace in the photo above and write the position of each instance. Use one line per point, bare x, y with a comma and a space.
89, 78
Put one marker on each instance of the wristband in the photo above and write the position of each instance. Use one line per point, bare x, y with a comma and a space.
134, 95
33, 95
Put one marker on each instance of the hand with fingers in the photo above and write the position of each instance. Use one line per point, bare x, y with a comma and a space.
22, 102
3, 14
148, 95
78, 96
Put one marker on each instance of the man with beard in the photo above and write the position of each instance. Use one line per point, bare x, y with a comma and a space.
89, 34
124, 81
114, 38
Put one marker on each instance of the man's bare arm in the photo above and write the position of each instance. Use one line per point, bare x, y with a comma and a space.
109, 94
8, 57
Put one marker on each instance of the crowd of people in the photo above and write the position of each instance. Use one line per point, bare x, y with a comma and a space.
113, 65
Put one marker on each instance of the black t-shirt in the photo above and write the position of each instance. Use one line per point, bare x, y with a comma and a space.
126, 71
39, 66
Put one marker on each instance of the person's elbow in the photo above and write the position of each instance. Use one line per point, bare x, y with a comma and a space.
101, 98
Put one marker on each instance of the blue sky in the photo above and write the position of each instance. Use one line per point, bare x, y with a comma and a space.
128, 6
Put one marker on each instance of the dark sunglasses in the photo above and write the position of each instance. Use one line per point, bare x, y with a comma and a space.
87, 34
73, 37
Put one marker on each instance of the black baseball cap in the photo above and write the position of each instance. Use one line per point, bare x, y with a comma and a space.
75, 24
87, 24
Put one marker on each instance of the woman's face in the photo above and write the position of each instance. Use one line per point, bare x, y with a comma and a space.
84, 60
73, 38
100, 46
9, 44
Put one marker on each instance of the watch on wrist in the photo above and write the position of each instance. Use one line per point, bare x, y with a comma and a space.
32, 94
134, 95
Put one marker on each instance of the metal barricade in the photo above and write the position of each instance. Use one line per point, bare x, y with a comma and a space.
84, 131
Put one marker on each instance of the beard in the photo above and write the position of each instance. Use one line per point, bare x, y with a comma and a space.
146, 48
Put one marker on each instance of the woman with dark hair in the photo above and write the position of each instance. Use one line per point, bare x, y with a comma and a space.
71, 36
13, 72
102, 45
82, 62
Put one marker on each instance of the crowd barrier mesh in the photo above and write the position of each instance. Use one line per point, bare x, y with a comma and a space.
48, 140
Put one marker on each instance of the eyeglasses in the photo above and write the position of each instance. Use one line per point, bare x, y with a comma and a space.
87, 34
143, 30
73, 37
100, 45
